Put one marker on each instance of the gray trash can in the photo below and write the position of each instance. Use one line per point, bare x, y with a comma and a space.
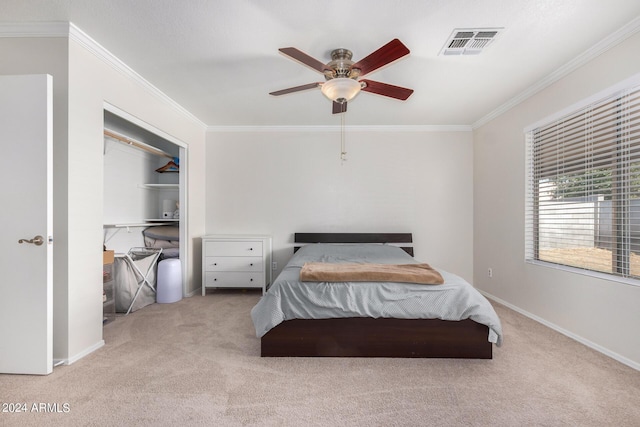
169, 281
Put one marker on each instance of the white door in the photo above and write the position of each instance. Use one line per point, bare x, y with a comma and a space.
26, 289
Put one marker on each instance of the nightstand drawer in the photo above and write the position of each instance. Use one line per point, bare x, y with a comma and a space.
228, 279
233, 263
233, 248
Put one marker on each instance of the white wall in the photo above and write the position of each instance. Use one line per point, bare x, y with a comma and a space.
92, 81
82, 82
126, 168
603, 313
282, 182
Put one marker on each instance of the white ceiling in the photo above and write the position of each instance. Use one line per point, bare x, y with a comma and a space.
219, 59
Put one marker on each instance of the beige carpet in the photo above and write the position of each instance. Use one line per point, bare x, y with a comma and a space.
196, 362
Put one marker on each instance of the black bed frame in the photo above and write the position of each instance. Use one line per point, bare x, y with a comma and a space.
368, 337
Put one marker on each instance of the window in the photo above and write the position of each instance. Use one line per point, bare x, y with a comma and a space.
583, 187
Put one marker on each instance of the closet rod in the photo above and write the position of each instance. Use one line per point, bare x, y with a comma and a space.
137, 144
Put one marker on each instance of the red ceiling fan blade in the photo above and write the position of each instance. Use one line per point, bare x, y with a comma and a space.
386, 54
339, 107
385, 89
304, 59
295, 89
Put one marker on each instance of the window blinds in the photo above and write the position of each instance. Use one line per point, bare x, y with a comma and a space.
583, 187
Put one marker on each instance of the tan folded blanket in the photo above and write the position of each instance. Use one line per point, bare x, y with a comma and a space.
351, 272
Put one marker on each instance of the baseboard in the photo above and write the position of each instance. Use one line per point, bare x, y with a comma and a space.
193, 293
581, 340
76, 357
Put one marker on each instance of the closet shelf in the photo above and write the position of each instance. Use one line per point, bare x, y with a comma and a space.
147, 223
138, 144
159, 186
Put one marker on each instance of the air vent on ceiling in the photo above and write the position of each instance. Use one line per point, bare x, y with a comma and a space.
469, 41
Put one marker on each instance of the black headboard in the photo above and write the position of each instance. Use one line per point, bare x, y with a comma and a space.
393, 238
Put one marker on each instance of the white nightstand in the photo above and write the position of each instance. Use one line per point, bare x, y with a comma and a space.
236, 261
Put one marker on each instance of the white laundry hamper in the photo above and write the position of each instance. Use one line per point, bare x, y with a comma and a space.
169, 281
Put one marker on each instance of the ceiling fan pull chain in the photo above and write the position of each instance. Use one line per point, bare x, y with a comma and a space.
343, 152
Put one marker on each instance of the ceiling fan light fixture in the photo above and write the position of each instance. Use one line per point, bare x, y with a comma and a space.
341, 89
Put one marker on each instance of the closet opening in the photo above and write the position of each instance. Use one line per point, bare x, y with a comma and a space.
144, 215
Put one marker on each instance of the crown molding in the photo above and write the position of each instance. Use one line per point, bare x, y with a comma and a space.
70, 30
352, 128
82, 38
599, 48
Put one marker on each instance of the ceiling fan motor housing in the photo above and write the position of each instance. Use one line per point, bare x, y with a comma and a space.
341, 64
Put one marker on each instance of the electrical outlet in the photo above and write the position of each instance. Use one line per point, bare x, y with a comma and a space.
490, 272
274, 265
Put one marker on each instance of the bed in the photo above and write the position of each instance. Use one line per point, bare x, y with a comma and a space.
367, 319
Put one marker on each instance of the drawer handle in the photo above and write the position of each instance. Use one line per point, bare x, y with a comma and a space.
215, 263
215, 280
250, 249
251, 265
251, 280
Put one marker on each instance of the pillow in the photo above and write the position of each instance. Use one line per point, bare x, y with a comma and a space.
163, 232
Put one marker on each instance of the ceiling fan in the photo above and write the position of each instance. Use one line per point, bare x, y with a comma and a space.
341, 74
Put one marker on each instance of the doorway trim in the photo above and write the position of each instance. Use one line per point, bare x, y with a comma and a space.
182, 183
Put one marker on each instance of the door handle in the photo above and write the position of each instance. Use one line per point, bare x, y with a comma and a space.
38, 240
